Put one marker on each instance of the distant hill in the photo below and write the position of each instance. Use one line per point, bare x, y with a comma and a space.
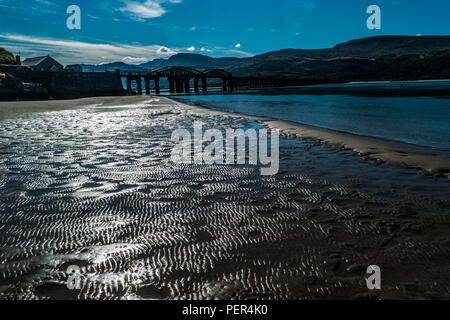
375, 58
181, 60
293, 52
6, 57
435, 65
111, 67
201, 61
372, 47
387, 45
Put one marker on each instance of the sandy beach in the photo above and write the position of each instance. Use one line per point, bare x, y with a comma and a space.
90, 183
398, 154
11, 109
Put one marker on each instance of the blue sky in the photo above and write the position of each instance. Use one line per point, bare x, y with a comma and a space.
135, 31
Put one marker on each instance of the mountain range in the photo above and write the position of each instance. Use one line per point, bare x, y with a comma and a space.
375, 58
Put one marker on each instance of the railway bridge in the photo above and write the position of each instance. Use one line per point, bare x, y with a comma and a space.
179, 79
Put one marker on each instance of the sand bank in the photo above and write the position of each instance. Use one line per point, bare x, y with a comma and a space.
396, 81
11, 109
395, 153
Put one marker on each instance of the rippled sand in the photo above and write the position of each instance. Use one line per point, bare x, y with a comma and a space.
94, 187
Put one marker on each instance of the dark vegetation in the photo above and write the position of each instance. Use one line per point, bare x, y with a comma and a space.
6, 57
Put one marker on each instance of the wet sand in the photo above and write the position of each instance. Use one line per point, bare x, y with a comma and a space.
11, 109
401, 154
395, 153
93, 186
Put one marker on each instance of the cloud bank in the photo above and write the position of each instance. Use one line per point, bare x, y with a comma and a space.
72, 52
148, 9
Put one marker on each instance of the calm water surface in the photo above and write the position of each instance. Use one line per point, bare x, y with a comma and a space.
423, 121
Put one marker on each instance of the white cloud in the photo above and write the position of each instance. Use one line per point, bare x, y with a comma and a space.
134, 60
222, 51
192, 48
147, 10
237, 45
71, 52
45, 2
193, 28
241, 53
32, 7
166, 51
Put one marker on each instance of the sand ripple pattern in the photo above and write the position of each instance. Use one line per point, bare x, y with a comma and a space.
95, 188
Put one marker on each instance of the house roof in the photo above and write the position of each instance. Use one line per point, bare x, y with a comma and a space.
33, 61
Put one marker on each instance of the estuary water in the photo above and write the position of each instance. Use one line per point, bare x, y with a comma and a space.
420, 120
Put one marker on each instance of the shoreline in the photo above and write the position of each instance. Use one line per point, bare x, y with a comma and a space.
391, 152
397, 81
11, 109
395, 153
331, 88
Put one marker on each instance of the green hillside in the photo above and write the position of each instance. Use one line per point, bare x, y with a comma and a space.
390, 45
376, 58
434, 65
6, 57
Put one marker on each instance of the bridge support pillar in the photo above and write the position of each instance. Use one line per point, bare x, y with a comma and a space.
204, 85
147, 86
224, 85
196, 88
139, 85
157, 90
187, 88
128, 84
179, 85
230, 85
172, 85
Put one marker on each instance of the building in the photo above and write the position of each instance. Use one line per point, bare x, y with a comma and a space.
73, 68
45, 63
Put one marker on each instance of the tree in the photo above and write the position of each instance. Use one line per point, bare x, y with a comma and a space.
6, 57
